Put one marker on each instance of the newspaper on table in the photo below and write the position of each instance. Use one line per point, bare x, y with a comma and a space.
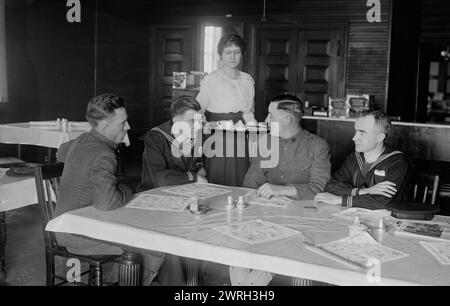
256, 231
362, 213
159, 202
362, 248
440, 250
432, 230
201, 191
251, 197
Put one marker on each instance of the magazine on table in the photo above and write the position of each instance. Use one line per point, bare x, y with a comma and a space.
433, 230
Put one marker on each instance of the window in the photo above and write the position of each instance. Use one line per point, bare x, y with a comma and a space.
3, 87
210, 55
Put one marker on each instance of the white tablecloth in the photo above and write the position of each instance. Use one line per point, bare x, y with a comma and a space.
16, 192
189, 235
39, 135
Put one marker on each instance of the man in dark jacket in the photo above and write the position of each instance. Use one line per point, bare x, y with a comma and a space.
373, 175
172, 154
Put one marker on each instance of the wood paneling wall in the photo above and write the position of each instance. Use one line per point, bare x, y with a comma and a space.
55, 67
51, 63
123, 63
368, 43
435, 20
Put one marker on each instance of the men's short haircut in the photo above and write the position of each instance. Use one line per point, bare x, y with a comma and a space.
230, 40
183, 103
102, 107
290, 104
381, 120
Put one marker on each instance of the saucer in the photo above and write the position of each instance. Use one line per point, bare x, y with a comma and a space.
201, 210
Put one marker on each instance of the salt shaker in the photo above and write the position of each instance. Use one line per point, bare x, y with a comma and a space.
240, 202
64, 125
230, 202
193, 204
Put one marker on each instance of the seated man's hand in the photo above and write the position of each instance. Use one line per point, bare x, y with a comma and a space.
270, 190
201, 179
385, 188
328, 198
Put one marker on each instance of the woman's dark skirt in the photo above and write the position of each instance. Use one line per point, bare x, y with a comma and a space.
230, 169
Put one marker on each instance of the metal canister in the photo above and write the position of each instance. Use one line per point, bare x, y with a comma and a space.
240, 202
129, 269
193, 204
230, 202
379, 231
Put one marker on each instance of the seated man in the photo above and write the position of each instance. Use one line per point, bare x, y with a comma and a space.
303, 168
89, 177
374, 175
171, 154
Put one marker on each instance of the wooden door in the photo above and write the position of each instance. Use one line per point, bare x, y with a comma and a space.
276, 67
320, 66
307, 62
173, 51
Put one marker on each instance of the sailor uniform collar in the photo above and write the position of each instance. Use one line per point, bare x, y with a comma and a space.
164, 130
381, 158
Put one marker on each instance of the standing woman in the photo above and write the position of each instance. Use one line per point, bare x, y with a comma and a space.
228, 94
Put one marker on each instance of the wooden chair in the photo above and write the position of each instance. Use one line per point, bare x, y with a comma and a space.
47, 179
425, 188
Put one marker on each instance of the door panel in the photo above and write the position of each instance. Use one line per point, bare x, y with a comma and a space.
173, 52
276, 67
318, 66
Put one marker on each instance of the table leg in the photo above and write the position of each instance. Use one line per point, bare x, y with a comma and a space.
192, 271
301, 282
2, 245
19, 151
49, 155
129, 269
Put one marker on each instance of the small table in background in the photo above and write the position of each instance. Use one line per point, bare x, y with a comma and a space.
40, 133
15, 192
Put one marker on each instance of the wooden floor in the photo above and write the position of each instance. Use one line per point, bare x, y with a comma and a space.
25, 255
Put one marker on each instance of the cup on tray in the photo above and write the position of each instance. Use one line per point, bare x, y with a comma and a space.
225, 124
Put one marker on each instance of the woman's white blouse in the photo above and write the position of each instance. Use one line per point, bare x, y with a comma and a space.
222, 94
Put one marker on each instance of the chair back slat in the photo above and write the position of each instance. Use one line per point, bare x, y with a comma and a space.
435, 189
47, 178
425, 193
425, 188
